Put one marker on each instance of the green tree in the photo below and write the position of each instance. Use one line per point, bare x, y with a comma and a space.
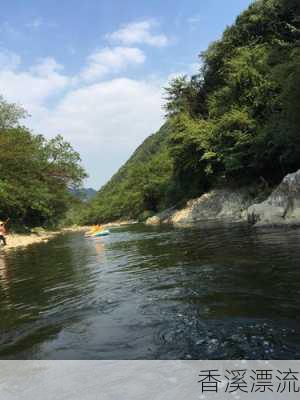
237, 121
10, 114
35, 173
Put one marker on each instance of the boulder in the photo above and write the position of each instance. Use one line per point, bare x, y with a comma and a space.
163, 217
281, 207
217, 204
155, 220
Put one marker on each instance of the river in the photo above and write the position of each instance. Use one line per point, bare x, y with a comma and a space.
213, 291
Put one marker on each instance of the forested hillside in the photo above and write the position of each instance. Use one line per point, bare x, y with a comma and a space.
141, 185
236, 122
36, 174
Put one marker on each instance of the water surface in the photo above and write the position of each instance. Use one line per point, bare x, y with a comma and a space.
204, 292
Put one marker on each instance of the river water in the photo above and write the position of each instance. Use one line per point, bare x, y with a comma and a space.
214, 291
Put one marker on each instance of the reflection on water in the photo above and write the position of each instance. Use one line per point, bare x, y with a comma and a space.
100, 250
5, 276
209, 291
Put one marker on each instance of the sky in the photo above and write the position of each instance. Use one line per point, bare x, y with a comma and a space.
94, 70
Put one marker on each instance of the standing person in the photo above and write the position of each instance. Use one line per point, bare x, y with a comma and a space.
3, 232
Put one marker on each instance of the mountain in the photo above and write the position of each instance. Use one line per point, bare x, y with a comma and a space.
139, 183
234, 123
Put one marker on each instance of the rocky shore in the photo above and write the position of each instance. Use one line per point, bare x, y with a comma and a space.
280, 207
22, 240
15, 240
118, 223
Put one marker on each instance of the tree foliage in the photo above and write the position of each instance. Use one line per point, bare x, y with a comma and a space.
249, 81
10, 114
142, 184
35, 174
236, 121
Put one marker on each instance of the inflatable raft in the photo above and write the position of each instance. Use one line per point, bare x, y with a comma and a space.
101, 233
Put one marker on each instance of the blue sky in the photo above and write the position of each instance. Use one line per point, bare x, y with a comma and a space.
94, 71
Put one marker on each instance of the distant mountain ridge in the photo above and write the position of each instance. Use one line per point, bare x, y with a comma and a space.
85, 194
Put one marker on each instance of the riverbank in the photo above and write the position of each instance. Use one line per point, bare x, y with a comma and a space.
116, 224
23, 240
260, 206
15, 240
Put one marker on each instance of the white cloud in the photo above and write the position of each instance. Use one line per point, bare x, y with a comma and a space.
111, 60
104, 121
139, 33
33, 87
46, 67
108, 110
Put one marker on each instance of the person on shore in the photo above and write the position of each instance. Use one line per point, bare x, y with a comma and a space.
3, 232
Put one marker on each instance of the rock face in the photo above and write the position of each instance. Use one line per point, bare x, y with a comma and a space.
163, 217
155, 220
281, 207
217, 204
